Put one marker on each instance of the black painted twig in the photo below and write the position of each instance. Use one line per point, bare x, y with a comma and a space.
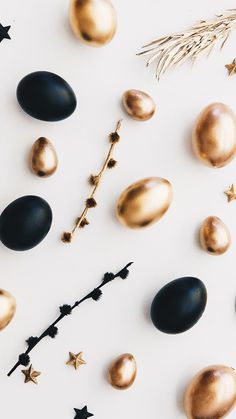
66, 310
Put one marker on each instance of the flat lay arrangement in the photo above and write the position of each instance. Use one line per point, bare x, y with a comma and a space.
77, 101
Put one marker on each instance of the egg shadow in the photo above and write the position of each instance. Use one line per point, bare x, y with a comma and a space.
106, 368
180, 397
105, 372
122, 107
197, 237
112, 209
235, 305
187, 143
27, 161
146, 310
67, 31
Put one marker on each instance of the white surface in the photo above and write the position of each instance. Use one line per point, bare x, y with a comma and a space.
53, 273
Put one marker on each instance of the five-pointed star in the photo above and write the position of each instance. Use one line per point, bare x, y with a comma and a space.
83, 413
231, 193
231, 68
4, 32
31, 375
76, 360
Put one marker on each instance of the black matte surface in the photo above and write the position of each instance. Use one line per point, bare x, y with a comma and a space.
179, 305
46, 96
25, 222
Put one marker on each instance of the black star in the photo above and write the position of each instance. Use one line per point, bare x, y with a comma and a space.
4, 32
83, 413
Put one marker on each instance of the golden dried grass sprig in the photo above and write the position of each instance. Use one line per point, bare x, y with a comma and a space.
172, 50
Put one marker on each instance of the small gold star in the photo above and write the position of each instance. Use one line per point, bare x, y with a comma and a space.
231, 68
231, 193
31, 375
76, 360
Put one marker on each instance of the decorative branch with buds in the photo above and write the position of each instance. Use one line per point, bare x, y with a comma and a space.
66, 310
95, 181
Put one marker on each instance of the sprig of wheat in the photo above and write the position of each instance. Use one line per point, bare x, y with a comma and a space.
171, 50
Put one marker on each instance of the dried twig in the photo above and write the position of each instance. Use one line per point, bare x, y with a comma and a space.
95, 181
66, 310
175, 49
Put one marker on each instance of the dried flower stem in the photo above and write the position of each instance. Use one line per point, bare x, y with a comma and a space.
175, 49
95, 180
66, 310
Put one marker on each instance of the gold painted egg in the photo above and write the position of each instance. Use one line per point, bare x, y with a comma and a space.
211, 394
144, 202
139, 105
7, 308
215, 237
122, 372
214, 135
93, 21
43, 159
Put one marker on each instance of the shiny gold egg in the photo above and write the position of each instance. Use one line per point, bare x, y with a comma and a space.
7, 308
144, 202
214, 135
43, 158
93, 21
215, 237
139, 105
122, 372
211, 394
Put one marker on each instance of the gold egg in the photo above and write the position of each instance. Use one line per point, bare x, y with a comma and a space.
214, 135
7, 308
144, 202
93, 21
215, 237
139, 105
122, 372
43, 159
211, 394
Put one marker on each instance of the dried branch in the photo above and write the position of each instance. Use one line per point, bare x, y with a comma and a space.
171, 50
66, 310
95, 181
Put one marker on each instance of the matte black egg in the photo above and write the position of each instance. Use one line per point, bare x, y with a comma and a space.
179, 305
25, 222
46, 96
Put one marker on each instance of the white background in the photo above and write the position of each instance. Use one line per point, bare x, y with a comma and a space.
54, 273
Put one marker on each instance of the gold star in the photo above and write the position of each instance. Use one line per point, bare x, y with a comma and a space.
31, 375
231, 193
231, 68
76, 360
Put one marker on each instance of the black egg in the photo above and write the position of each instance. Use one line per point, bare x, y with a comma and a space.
46, 96
25, 222
179, 305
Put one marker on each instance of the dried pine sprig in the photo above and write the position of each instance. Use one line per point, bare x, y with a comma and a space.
66, 310
175, 49
95, 181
